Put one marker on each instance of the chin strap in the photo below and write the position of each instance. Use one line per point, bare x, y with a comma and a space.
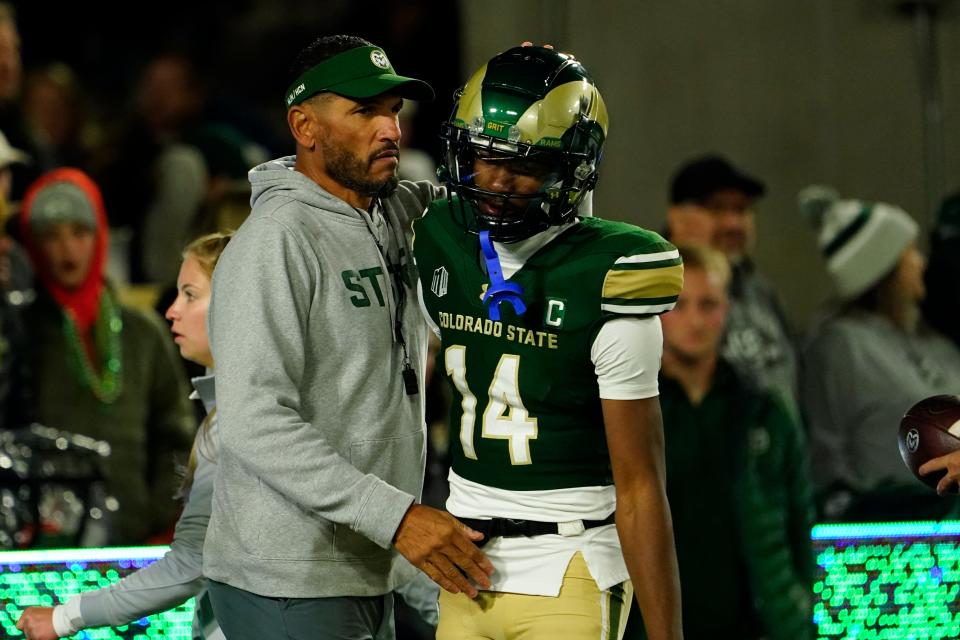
499, 290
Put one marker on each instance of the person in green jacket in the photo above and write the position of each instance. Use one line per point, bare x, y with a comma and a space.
102, 369
737, 477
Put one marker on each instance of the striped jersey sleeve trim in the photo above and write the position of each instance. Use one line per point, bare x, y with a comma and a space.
634, 309
628, 302
643, 266
643, 283
649, 257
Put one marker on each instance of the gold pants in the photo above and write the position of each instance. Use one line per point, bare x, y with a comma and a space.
581, 610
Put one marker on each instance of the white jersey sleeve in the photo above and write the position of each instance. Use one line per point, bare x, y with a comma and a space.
626, 357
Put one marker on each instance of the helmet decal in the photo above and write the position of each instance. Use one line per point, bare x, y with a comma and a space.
546, 121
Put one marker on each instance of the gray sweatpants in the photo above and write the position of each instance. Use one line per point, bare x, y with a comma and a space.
247, 616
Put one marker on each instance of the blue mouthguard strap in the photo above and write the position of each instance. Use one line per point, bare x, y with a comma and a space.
499, 290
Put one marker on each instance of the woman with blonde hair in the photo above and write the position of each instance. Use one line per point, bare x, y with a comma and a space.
177, 576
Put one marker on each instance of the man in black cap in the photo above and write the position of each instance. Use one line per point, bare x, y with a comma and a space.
711, 203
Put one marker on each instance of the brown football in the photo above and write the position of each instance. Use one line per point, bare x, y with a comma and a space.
929, 429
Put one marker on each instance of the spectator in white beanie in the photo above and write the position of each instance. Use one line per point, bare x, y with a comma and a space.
869, 360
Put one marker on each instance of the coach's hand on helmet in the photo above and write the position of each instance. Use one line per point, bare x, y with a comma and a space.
443, 548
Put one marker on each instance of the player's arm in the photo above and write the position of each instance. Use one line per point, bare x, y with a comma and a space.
626, 355
411, 200
950, 463
634, 431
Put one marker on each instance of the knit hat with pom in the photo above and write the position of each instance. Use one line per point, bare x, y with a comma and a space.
861, 241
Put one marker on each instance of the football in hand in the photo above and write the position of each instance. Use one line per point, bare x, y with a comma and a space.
930, 429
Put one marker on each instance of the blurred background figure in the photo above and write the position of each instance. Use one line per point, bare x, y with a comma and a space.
415, 164
941, 306
746, 565
177, 576
11, 67
156, 181
12, 123
712, 204
16, 291
16, 274
57, 114
102, 369
174, 163
869, 359
9, 158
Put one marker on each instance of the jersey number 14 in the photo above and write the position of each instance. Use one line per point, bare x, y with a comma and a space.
505, 417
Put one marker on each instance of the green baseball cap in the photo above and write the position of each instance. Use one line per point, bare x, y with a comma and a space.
363, 72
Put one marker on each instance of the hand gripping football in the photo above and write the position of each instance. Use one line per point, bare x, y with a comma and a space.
929, 429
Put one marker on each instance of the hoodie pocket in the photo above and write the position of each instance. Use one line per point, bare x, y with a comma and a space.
399, 461
287, 532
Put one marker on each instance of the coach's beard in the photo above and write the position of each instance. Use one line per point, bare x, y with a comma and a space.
353, 172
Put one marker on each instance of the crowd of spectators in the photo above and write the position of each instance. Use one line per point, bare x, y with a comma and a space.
880, 342
95, 215
99, 193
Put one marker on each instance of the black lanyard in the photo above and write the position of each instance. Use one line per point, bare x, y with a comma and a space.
395, 276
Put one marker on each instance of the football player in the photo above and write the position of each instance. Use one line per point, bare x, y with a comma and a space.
551, 342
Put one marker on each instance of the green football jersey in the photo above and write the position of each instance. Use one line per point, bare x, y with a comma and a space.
526, 409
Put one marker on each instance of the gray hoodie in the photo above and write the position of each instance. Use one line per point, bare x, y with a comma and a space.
322, 451
864, 374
